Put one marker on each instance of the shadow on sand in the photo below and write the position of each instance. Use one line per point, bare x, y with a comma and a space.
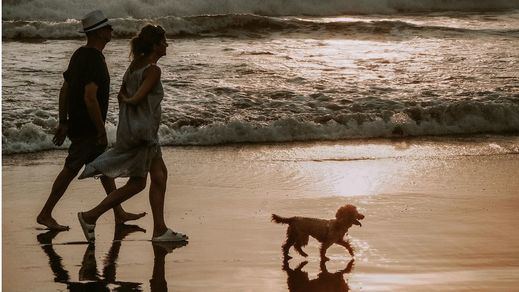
89, 277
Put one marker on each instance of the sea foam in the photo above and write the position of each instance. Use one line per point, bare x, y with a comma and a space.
236, 25
459, 118
58, 10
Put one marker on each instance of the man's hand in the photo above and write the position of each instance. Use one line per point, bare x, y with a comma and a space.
102, 140
60, 134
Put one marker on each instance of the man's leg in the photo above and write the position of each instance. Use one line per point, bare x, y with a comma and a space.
59, 187
120, 214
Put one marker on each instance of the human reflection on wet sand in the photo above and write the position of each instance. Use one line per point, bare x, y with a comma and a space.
89, 277
298, 280
160, 250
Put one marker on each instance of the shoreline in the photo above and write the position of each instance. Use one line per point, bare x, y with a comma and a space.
510, 138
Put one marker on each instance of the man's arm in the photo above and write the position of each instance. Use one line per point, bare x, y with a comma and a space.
61, 131
94, 111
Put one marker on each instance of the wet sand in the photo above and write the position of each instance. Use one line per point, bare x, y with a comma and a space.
438, 217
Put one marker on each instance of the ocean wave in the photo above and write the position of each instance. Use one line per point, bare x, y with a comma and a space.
58, 10
456, 118
246, 25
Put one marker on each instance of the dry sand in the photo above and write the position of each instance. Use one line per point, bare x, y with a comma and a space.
439, 216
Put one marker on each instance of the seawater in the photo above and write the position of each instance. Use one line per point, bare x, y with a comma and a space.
237, 77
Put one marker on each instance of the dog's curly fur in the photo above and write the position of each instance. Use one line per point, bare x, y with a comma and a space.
327, 232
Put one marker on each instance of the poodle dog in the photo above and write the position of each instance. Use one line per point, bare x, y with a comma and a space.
327, 232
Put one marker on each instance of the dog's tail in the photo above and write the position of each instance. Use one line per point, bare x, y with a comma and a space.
281, 220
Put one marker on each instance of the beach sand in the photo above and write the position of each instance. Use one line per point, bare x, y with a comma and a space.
440, 215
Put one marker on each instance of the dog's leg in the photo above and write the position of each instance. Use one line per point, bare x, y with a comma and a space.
301, 265
322, 265
286, 248
297, 246
301, 241
348, 268
347, 245
324, 247
291, 239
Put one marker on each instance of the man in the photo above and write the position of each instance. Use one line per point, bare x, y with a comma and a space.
83, 104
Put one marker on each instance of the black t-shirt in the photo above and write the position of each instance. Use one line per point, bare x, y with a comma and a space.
86, 65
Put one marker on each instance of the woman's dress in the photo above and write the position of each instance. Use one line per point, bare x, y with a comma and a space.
137, 141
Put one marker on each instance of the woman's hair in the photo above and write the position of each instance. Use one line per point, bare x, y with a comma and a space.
142, 44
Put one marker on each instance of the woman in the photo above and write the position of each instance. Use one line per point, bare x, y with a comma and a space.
137, 150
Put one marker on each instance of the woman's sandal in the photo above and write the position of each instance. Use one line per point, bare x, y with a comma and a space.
170, 235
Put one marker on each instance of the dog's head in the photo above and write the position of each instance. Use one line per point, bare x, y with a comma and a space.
349, 215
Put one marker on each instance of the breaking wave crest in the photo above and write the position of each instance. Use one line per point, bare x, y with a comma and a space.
58, 10
459, 118
246, 25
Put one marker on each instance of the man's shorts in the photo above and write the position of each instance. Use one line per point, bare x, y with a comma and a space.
82, 150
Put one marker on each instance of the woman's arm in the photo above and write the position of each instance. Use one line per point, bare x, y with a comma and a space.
122, 93
151, 77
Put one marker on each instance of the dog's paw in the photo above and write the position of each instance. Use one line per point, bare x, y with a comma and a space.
325, 259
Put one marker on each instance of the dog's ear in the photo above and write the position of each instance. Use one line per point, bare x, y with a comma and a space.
346, 212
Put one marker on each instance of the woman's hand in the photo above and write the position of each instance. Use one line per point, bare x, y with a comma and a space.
151, 78
126, 99
122, 97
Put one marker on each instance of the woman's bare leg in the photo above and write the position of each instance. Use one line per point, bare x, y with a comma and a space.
159, 177
120, 214
131, 188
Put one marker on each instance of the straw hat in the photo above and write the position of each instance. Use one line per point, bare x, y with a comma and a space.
94, 20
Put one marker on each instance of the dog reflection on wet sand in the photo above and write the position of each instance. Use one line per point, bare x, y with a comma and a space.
298, 280
327, 232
